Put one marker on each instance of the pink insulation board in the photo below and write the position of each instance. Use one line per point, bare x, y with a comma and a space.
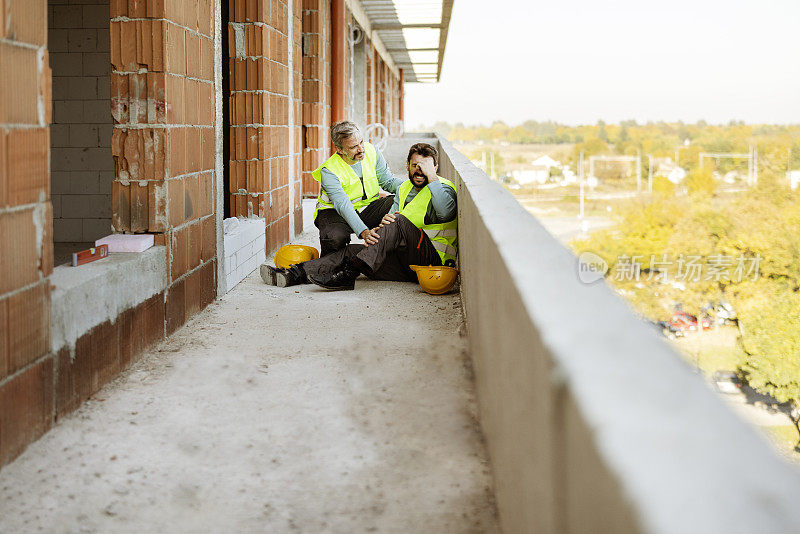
126, 242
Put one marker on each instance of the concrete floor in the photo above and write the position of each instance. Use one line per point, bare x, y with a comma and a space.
274, 410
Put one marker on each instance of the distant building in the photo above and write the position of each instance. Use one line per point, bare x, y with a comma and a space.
794, 179
538, 172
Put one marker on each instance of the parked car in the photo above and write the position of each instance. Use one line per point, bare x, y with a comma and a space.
668, 330
726, 382
686, 322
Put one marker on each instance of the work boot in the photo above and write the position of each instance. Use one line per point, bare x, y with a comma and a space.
276, 276
337, 280
268, 274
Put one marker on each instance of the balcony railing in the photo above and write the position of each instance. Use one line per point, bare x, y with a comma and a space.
592, 423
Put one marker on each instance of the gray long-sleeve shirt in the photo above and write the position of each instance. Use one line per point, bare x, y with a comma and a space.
341, 202
443, 203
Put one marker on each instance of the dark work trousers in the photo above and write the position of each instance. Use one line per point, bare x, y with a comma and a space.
334, 232
401, 244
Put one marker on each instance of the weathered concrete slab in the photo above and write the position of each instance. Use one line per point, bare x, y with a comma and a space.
274, 410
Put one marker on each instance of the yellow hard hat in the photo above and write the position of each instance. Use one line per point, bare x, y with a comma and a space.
288, 255
435, 279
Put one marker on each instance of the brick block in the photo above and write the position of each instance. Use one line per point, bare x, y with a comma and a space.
158, 220
208, 239
5, 364
175, 49
179, 253
191, 198
25, 21
20, 91
209, 147
147, 325
140, 206
193, 55
194, 245
26, 153
175, 309
206, 59
208, 283
175, 200
140, 154
28, 326
26, 409
205, 17
20, 248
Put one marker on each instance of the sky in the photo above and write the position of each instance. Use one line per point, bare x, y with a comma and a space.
578, 61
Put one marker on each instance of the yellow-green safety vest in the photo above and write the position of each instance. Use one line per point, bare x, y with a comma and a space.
359, 195
444, 236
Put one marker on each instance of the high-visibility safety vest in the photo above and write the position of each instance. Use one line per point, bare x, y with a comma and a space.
361, 193
444, 236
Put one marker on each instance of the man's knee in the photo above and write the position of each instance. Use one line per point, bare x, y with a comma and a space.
334, 238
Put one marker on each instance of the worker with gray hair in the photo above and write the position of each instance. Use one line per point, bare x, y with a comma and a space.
349, 200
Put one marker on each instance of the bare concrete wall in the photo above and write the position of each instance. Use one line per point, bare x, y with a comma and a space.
592, 423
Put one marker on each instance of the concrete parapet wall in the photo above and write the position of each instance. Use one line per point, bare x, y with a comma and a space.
592, 423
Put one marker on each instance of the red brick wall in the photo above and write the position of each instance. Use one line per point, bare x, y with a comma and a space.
316, 110
26, 368
260, 81
162, 102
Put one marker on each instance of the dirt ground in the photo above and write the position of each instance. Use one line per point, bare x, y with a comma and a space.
274, 410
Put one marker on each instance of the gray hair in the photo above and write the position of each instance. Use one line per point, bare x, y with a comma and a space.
341, 131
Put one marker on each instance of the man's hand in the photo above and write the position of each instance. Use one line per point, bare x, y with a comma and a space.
426, 166
370, 237
388, 219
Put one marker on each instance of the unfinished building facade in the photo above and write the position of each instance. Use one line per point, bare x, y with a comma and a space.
159, 117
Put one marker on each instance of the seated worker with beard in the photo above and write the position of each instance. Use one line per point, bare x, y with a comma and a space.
419, 230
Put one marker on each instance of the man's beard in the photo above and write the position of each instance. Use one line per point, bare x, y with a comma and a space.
418, 175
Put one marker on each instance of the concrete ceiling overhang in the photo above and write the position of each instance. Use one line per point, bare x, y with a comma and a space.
409, 34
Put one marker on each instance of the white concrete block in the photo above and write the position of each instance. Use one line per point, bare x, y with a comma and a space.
66, 64
84, 183
82, 40
59, 135
104, 132
104, 87
67, 17
103, 40
66, 230
68, 111
59, 182
97, 111
60, 86
96, 64
105, 180
56, 200
82, 88
96, 228
86, 206
96, 16
83, 135
58, 40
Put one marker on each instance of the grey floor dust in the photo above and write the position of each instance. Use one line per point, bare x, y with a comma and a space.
274, 410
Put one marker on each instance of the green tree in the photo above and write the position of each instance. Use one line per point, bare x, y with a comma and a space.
771, 338
701, 181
